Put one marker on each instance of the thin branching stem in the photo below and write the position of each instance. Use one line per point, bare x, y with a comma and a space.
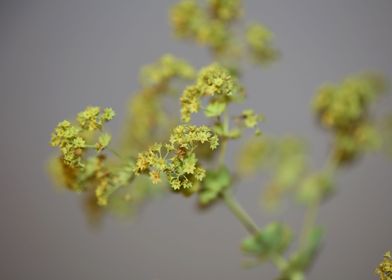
309, 222
233, 205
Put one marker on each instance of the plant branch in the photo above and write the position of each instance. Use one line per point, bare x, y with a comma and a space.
309, 222
279, 262
114, 152
240, 213
224, 140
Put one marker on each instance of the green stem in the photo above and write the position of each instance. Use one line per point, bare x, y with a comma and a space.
310, 218
240, 213
114, 152
279, 262
90, 146
224, 140
309, 223
223, 148
249, 224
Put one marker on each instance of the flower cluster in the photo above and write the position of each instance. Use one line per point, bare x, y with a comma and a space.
340, 106
79, 171
213, 25
97, 177
213, 81
288, 158
148, 120
108, 181
70, 138
183, 17
67, 137
92, 119
344, 110
190, 21
166, 68
259, 40
177, 158
384, 269
225, 10
386, 127
253, 155
250, 118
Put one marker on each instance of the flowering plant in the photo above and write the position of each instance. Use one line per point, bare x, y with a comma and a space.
161, 151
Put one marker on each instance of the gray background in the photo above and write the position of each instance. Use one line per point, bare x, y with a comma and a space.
56, 57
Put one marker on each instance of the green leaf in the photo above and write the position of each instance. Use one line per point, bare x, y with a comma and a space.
272, 240
300, 261
214, 183
214, 109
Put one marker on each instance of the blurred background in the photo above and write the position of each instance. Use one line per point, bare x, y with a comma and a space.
56, 57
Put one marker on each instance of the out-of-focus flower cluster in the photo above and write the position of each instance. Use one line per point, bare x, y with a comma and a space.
286, 161
166, 68
260, 44
212, 23
148, 120
83, 166
386, 128
225, 10
205, 26
344, 109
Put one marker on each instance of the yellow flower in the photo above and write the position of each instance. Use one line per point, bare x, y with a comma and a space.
155, 177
